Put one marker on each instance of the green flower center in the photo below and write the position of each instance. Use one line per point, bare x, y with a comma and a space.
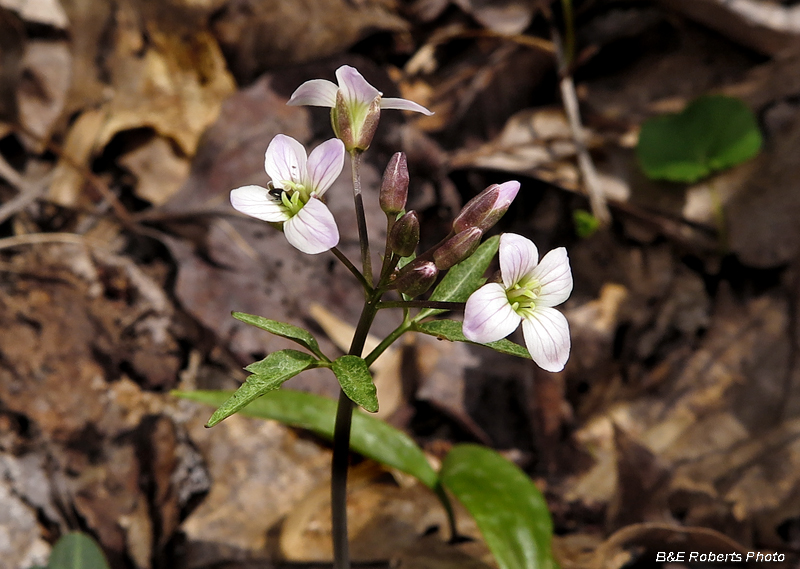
293, 197
522, 296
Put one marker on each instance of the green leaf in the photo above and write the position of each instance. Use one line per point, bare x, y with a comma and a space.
713, 132
585, 223
508, 508
268, 374
356, 381
464, 278
451, 330
288, 331
370, 436
77, 551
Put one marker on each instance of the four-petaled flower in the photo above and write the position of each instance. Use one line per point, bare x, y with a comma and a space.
293, 195
355, 105
527, 294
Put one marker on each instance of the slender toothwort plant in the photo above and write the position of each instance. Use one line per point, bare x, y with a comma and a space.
525, 291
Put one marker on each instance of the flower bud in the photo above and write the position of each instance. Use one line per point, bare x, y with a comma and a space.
352, 124
486, 209
404, 236
457, 248
416, 277
394, 188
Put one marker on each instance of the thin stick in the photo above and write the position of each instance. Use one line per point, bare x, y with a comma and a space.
28, 192
120, 212
569, 97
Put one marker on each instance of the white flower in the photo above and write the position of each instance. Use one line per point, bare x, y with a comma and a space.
528, 293
354, 102
294, 193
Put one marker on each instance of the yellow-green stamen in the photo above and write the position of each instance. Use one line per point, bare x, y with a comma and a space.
294, 197
522, 296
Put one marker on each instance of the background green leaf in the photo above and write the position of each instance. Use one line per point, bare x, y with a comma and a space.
268, 374
464, 278
77, 551
508, 508
370, 436
585, 223
452, 330
288, 331
713, 132
356, 381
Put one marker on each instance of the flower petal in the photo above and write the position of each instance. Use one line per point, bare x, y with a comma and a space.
316, 93
546, 335
488, 316
312, 230
285, 161
555, 276
325, 163
507, 191
354, 87
255, 201
518, 257
404, 105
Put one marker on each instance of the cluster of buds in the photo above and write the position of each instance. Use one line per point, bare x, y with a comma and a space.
477, 216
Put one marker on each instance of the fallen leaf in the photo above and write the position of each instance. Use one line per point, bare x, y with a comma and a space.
159, 170
260, 35
384, 519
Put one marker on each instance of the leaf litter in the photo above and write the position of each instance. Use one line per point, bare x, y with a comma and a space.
124, 125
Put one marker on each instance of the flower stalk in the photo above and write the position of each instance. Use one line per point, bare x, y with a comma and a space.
292, 202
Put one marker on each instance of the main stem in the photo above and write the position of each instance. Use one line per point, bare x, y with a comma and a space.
344, 411
341, 445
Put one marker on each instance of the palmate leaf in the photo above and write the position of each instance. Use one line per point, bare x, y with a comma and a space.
356, 381
288, 331
510, 511
451, 330
268, 375
464, 278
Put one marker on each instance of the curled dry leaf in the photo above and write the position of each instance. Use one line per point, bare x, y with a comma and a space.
42, 94
539, 143
165, 72
159, 170
714, 427
261, 34
45, 12
767, 27
643, 541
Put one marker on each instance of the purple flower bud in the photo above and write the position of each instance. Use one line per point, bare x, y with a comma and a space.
394, 188
416, 277
486, 209
457, 248
404, 236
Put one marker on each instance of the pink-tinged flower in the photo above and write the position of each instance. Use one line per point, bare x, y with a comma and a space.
293, 195
528, 293
355, 105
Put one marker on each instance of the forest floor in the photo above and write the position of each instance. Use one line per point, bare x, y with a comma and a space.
123, 127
